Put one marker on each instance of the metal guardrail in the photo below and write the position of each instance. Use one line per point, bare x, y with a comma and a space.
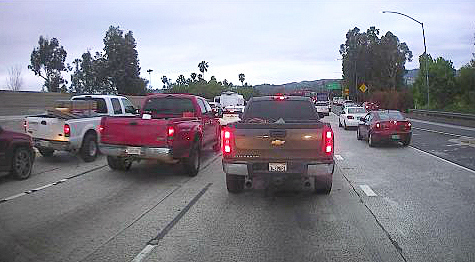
443, 114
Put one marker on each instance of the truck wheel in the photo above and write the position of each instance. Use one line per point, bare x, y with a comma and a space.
117, 163
89, 148
406, 141
234, 183
339, 123
323, 184
46, 152
22, 163
358, 135
192, 163
344, 125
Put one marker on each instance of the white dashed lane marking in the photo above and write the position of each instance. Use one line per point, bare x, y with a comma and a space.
338, 157
367, 190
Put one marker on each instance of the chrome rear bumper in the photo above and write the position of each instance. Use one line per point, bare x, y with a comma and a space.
155, 153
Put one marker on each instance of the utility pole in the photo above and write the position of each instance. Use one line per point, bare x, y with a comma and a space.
149, 71
425, 50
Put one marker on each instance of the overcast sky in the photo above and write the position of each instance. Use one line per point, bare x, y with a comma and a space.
271, 42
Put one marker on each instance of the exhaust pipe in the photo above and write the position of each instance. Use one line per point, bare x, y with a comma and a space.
248, 183
307, 184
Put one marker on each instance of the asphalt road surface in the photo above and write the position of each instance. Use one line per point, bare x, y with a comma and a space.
389, 203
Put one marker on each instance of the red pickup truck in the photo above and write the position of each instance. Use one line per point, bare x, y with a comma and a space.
171, 128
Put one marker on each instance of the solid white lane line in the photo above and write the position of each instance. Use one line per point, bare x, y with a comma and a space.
144, 253
367, 190
338, 157
439, 132
14, 196
42, 187
445, 160
442, 124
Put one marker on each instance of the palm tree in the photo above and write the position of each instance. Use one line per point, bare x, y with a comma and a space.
165, 81
193, 76
203, 66
242, 77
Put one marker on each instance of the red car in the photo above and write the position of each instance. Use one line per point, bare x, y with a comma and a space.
384, 126
370, 106
16, 154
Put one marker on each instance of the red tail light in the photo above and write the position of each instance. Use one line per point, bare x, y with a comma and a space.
67, 130
227, 141
328, 141
171, 131
377, 126
349, 117
102, 125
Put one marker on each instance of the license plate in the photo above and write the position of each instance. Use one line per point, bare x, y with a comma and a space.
133, 150
395, 137
277, 167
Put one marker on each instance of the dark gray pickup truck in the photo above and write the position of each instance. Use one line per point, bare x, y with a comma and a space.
279, 137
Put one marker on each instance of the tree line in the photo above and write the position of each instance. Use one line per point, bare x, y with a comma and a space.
196, 84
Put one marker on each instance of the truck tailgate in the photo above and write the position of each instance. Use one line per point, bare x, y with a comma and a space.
44, 127
134, 131
279, 141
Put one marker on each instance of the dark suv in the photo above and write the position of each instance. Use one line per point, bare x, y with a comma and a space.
16, 153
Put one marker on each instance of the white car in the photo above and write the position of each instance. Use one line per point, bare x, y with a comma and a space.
322, 108
231, 114
350, 116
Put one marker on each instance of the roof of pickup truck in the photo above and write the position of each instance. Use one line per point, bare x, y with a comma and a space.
174, 95
269, 98
98, 96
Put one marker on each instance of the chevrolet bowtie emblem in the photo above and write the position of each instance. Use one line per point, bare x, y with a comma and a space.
277, 142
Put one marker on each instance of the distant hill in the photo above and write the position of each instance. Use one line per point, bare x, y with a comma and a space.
315, 85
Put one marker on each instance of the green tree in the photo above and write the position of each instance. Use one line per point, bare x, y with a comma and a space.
165, 82
203, 66
47, 61
193, 76
90, 75
377, 62
122, 62
242, 77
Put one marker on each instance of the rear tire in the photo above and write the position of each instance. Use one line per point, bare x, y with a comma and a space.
358, 135
371, 142
323, 184
46, 152
89, 148
22, 163
406, 141
234, 183
119, 163
344, 125
339, 123
193, 162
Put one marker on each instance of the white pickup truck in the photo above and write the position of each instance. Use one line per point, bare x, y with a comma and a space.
76, 134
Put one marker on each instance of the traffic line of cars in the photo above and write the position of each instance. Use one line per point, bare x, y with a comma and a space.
377, 126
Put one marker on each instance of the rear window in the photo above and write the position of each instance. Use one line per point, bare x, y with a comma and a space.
356, 110
168, 106
287, 110
321, 103
390, 115
101, 103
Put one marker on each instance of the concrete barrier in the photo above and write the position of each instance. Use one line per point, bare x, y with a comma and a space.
31, 103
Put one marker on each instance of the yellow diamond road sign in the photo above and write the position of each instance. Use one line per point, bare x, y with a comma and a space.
363, 88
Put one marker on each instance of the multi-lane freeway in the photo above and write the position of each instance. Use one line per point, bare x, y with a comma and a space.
389, 203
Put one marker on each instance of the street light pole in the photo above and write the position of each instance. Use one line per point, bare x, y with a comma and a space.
150, 77
425, 49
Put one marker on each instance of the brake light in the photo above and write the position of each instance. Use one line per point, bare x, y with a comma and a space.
171, 131
328, 141
378, 125
227, 141
280, 97
101, 129
349, 117
67, 130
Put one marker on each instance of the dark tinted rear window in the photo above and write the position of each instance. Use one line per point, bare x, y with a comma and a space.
287, 110
168, 105
390, 115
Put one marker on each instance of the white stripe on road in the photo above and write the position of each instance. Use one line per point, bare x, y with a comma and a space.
15, 196
441, 124
338, 157
42, 187
445, 160
367, 190
439, 132
144, 253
